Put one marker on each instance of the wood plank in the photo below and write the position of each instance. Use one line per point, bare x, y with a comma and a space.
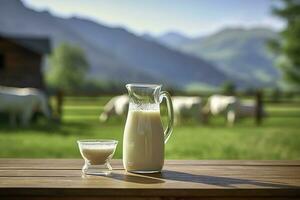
147, 198
168, 178
149, 192
180, 178
244, 171
77, 163
144, 198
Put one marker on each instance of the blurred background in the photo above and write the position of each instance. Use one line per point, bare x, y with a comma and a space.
63, 62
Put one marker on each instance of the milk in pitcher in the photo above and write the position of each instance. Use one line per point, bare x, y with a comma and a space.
143, 141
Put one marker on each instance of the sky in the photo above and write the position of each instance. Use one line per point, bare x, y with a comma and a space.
190, 17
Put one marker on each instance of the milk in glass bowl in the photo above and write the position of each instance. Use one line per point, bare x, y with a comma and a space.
97, 155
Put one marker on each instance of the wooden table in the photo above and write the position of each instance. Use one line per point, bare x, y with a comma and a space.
185, 179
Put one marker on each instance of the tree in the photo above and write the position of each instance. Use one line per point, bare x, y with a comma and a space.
68, 68
228, 88
288, 48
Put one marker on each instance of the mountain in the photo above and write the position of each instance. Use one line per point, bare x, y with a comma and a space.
149, 37
237, 52
15, 19
113, 52
173, 39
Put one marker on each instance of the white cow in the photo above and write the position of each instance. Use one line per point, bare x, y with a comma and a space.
117, 106
231, 107
183, 107
243, 110
22, 102
220, 105
187, 107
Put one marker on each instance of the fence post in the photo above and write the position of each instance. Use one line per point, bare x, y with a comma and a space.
59, 103
259, 107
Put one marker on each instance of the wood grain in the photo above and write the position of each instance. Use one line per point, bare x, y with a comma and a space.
184, 179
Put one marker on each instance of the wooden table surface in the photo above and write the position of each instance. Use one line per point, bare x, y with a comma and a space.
184, 179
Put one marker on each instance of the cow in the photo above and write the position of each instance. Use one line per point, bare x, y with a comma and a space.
184, 107
117, 106
243, 110
22, 102
187, 108
230, 107
220, 105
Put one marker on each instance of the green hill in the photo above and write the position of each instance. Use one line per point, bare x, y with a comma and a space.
238, 52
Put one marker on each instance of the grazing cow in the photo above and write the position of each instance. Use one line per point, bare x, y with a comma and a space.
22, 102
220, 105
186, 107
231, 107
117, 106
243, 110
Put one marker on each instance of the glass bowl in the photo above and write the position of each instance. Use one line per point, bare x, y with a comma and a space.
97, 155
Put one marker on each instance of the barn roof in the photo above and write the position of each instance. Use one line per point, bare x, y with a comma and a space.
39, 45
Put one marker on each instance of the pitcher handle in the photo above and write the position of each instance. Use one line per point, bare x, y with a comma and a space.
169, 129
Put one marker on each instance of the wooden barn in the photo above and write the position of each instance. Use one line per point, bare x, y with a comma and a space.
21, 60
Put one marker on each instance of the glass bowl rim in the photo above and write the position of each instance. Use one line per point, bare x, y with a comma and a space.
143, 85
97, 141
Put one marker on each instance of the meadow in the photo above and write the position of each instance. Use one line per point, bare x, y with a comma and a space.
277, 138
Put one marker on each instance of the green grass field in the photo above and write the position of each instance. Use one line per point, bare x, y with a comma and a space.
277, 138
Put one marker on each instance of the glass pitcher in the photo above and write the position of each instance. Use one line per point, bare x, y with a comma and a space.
144, 137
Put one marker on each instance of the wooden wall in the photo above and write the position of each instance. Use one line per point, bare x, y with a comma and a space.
22, 66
